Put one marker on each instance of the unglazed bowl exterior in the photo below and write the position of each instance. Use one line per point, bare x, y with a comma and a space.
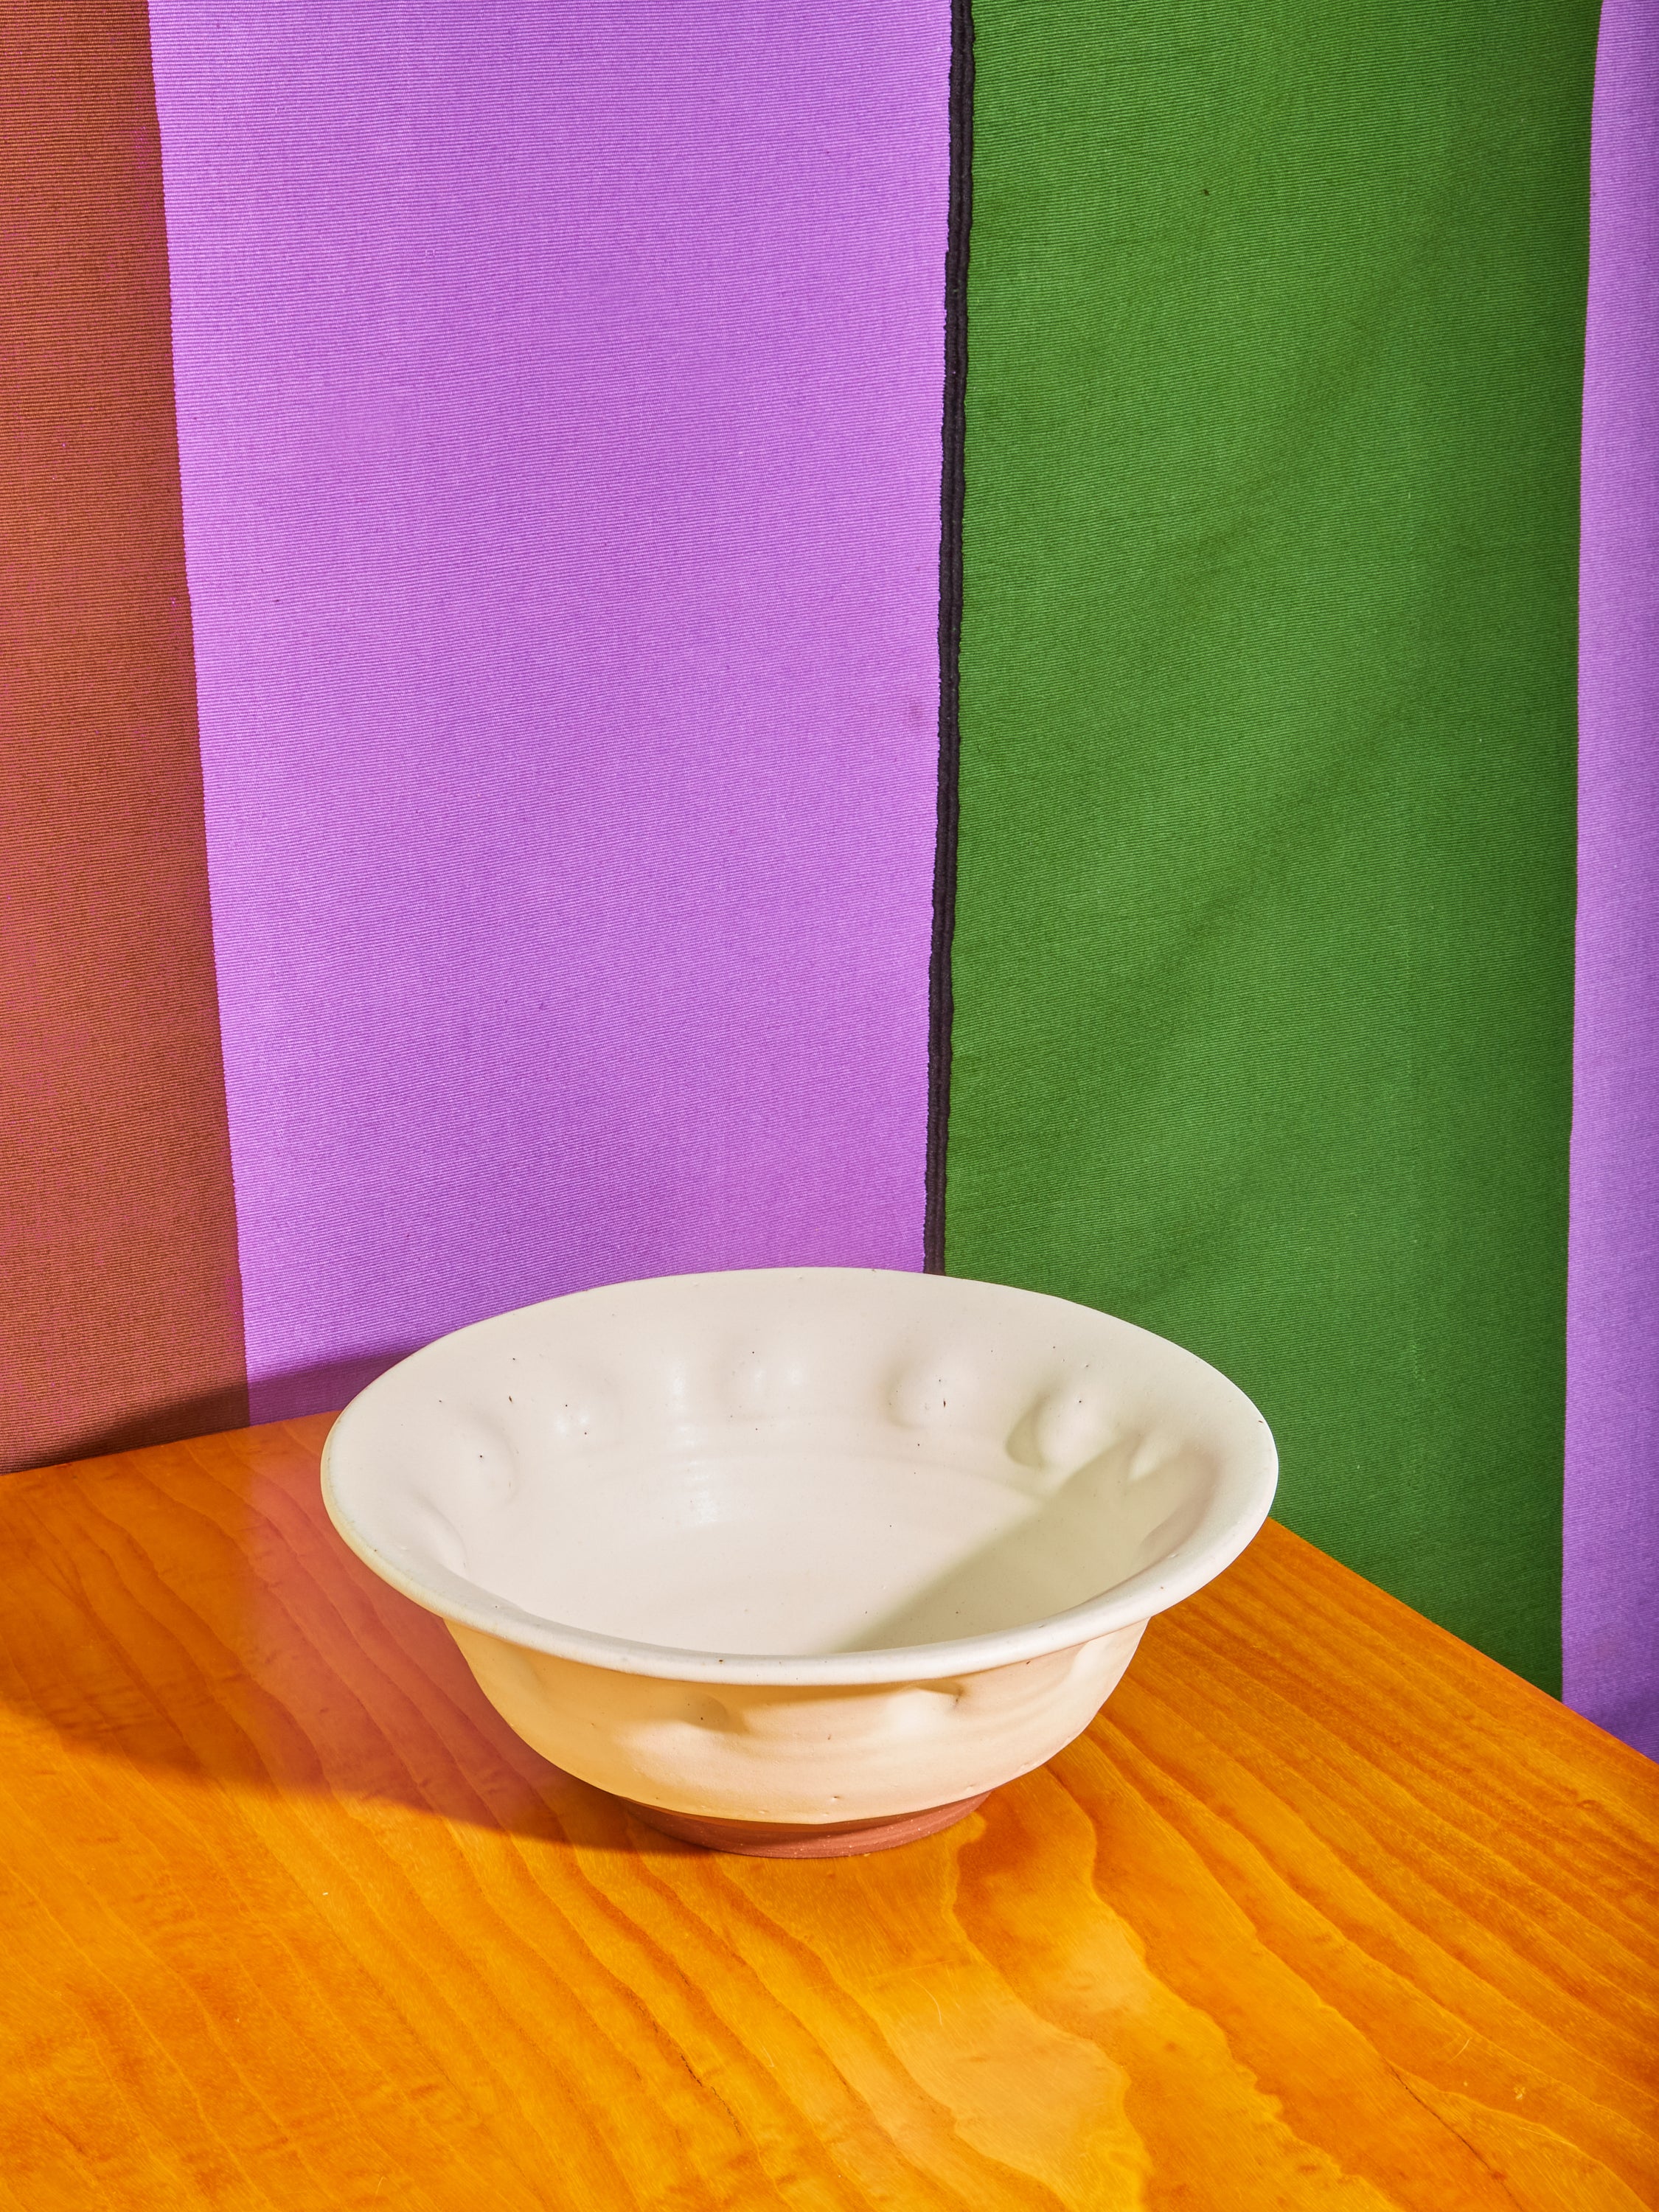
808, 1545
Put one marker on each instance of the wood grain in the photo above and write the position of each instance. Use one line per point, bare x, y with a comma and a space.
1325, 1911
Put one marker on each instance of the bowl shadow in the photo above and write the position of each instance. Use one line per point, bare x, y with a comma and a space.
190, 1612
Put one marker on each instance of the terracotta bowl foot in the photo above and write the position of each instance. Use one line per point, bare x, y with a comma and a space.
795, 1839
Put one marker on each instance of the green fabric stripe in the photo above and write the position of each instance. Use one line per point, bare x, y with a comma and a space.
1264, 932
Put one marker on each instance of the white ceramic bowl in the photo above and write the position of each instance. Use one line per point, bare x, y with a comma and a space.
801, 1560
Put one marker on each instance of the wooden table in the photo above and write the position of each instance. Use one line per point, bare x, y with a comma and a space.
1326, 1910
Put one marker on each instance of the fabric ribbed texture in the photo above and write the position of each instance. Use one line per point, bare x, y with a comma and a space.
559, 415
1612, 1554
120, 1307
1263, 956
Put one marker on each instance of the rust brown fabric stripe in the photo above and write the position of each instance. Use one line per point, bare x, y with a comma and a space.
120, 1304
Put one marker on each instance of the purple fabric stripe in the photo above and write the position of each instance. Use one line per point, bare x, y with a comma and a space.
559, 399
1611, 1646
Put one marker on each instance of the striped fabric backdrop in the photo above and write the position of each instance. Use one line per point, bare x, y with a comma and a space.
642, 638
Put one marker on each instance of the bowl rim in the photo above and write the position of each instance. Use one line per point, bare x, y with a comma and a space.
1194, 1562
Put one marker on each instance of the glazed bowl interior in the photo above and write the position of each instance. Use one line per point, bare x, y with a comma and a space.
806, 1466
